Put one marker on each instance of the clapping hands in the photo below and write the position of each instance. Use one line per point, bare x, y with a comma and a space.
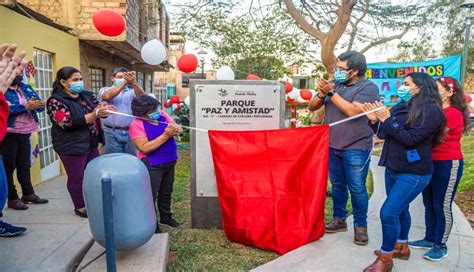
9, 63
380, 115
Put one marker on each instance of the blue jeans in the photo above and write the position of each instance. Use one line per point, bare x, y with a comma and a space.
118, 141
438, 198
402, 189
348, 170
3, 187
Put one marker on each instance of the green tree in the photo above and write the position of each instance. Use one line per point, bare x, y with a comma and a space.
352, 24
264, 44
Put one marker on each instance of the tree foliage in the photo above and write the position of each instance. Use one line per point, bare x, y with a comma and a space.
263, 44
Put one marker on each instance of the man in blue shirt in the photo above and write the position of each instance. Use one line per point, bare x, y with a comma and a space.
121, 94
350, 142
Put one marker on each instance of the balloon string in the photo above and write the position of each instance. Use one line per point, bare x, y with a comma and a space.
145, 119
355, 116
205, 130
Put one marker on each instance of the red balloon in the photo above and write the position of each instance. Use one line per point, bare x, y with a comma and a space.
306, 94
178, 108
174, 99
253, 77
108, 22
289, 99
468, 99
289, 87
187, 63
166, 105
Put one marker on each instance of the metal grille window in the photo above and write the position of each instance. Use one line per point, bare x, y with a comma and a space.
97, 80
141, 79
149, 80
49, 161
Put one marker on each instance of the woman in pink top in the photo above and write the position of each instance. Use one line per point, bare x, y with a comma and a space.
25, 104
153, 137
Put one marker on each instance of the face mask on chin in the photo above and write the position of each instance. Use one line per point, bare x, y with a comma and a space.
155, 115
404, 93
340, 76
119, 81
77, 87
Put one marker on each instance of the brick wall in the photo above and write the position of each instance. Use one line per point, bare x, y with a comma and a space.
77, 14
133, 23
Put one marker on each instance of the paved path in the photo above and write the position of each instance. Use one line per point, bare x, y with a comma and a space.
55, 234
337, 252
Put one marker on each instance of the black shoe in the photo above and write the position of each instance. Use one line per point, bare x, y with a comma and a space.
170, 222
158, 230
81, 214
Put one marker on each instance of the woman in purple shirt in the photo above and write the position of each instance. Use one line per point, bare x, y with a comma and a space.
153, 136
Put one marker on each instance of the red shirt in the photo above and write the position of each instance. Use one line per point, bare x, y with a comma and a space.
4, 110
450, 149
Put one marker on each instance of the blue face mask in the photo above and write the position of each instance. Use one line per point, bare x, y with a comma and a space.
77, 86
155, 115
119, 81
404, 93
340, 76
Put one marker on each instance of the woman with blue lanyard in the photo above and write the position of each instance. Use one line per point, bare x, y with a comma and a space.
410, 130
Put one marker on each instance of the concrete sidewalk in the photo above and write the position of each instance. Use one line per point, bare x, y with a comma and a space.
55, 237
337, 252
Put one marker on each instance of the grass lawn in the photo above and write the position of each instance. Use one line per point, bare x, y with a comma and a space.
193, 249
467, 181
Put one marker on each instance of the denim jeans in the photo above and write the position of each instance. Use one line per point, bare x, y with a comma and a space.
118, 141
3, 187
438, 199
402, 189
348, 170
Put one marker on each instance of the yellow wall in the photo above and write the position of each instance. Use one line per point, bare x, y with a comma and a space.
29, 34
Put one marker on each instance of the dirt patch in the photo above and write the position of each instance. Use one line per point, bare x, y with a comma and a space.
465, 201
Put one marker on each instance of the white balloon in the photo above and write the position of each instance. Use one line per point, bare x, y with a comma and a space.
187, 100
225, 73
301, 100
174, 106
313, 92
154, 52
472, 104
294, 94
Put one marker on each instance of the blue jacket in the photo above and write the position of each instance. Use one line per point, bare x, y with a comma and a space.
16, 108
401, 138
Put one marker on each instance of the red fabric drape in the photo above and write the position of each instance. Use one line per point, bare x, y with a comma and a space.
272, 185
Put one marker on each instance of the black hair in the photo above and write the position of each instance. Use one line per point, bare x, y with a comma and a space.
63, 74
355, 61
143, 104
427, 95
119, 70
458, 101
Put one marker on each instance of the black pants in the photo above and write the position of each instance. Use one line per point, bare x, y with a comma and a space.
16, 151
162, 180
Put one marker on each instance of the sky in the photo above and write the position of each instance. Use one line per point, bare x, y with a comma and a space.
377, 54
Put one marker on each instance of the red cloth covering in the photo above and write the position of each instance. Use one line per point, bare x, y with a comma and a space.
4, 110
272, 185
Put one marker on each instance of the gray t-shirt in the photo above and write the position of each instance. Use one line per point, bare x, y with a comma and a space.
354, 134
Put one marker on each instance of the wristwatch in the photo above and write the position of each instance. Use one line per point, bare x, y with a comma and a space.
330, 93
322, 98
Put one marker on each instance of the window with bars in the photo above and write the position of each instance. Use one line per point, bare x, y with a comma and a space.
149, 80
43, 62
141, 79
97, 80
